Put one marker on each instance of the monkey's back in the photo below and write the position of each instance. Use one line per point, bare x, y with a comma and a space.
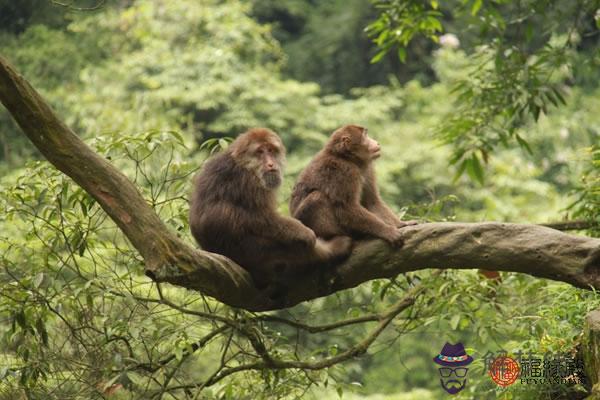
225, 207
326, 174
320, 189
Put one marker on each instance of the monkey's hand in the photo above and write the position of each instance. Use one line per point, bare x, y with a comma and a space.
295, 231
402, 224
308, 236
395, 237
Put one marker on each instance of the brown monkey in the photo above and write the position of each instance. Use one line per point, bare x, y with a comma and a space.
337, 193
233, 213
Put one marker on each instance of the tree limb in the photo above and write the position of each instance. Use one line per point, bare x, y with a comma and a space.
570, 225
531, 249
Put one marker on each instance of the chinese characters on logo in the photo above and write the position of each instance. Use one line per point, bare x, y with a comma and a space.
508, 369
549, 369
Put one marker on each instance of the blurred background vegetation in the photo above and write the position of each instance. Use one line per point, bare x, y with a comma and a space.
486, 110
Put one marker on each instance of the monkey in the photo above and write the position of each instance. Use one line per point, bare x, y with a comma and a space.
233, 213
336, 194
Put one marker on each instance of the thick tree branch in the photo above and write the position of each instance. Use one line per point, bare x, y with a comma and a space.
531, 249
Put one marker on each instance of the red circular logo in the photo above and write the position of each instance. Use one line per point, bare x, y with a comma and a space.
504, 371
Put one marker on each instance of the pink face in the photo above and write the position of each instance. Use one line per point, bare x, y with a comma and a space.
372, 146
268, 155
265, 159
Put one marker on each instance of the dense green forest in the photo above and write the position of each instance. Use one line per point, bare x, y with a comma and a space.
485, 110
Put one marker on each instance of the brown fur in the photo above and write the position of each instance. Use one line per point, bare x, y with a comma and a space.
233, 213
337, 193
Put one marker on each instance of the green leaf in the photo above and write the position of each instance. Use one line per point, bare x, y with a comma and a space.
20, 318
476, 6
177, 136
178, 353
41, 328
333, 350
474, 169
524, 144
550, 97
223, 143
89, 300
378, 56
402, 54
459, 171
559, 95
83, 206
455, 321
435, 23
42, 195
82, 246
535, 109
38, 279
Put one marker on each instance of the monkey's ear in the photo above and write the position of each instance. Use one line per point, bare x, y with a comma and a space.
342, 145
345, 142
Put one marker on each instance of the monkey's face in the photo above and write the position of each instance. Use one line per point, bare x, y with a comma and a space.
354, 141
261, 152
373, 148
269, 159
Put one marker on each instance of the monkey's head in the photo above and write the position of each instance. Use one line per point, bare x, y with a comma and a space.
353, 142
260, 151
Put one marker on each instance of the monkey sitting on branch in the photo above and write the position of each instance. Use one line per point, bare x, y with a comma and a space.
233, 213
337, 193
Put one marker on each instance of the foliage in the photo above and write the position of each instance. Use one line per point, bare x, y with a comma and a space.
518, 72
398, 23
587, 204
156, 86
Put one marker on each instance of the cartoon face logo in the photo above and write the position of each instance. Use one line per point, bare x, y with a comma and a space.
453, 372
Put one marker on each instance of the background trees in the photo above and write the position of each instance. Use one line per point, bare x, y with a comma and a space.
147, 83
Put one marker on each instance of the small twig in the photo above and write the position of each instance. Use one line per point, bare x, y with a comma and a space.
195, 346
70, 5
318, 328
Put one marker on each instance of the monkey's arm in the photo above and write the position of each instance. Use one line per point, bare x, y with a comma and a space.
374, 203
343, 191
384, 212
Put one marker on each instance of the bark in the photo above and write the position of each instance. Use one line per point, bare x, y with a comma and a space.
531, 249
590, 350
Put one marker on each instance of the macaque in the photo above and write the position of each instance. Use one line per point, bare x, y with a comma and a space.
233, 213
337, 193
